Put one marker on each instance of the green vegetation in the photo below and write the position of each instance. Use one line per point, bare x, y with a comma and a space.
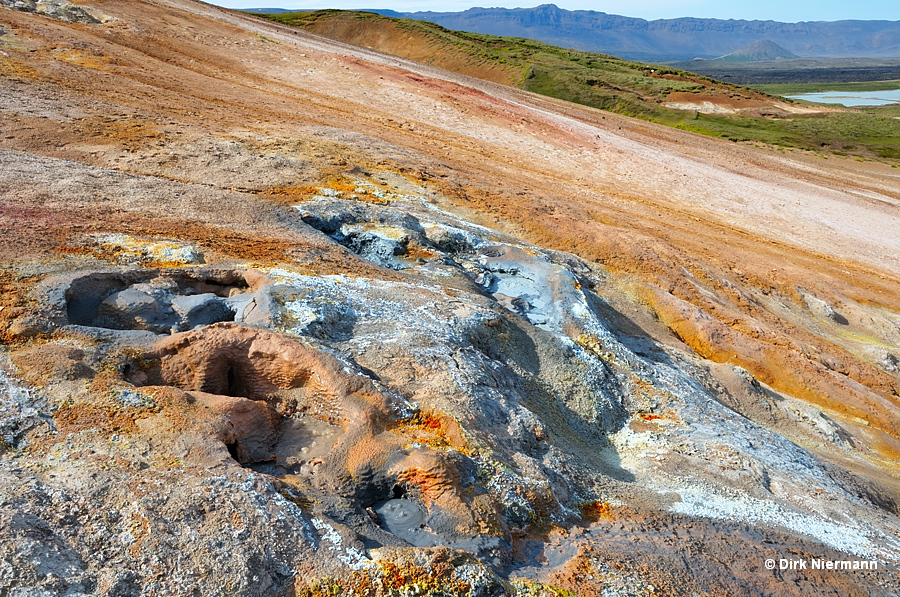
850, 133
796, 88
640, 90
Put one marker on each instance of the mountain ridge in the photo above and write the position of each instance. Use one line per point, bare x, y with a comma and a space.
759, 51
671, 39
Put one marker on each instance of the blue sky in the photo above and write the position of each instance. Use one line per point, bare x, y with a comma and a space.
776, 10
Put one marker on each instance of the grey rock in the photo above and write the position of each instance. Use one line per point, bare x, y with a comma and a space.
129, 309
55, 9
23, 5
259, 309
240, 305
375, 247
135, 399
42, 562
823, 310
201, 309
30, 326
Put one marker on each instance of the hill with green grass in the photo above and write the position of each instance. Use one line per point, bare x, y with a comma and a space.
661, 94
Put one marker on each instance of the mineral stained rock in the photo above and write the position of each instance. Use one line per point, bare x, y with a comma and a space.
287, 317
55, 9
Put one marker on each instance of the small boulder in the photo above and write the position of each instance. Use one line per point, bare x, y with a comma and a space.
128, 309
201, 309
29, 326
55, 9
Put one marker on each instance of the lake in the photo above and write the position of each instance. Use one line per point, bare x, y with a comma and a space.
851, 98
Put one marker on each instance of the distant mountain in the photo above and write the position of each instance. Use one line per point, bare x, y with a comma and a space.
265, 11
276, 11
672, 39
759, 51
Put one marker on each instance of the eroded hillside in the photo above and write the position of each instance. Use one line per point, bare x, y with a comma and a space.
283, 316
660, 94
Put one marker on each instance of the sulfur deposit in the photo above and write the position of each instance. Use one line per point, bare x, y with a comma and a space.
281, 316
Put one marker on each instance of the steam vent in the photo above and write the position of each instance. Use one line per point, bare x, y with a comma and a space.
287, 316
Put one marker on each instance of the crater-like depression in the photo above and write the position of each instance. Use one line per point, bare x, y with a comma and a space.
162, 302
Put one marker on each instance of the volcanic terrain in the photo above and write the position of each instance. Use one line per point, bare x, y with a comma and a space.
285, 316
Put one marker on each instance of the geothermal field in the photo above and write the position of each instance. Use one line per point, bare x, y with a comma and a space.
285, 316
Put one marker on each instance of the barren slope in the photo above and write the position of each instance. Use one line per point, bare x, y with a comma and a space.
589, 351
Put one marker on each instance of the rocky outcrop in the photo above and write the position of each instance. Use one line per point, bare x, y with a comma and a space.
502, 401
55, 9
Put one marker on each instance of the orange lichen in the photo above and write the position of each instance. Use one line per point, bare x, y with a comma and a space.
298, 499
432, 579
433, 429
528, 588
13, 68
366, 453
83, 416
338, 184
775, 361
14, 302
370, 198
646, 389
122, 249
140, 530
433, 482
589, 342
93, 60
429, 421
383, 35
595, 510
434, 574
44, 363
414, 251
